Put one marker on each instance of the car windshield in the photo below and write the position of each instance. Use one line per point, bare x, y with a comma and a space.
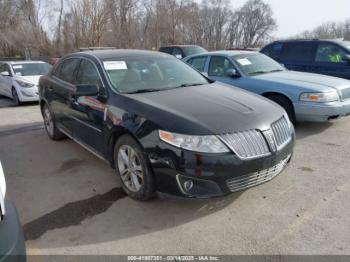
254, 64
148, 74
346, 44
193, 50
31, 69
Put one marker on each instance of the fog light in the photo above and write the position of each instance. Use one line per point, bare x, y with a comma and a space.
188, 185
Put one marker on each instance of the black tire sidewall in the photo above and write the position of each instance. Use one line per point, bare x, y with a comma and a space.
147, 189
57, 135
15, 97
285, 103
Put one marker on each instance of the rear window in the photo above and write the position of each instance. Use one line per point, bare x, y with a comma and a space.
167, 50
274, 51
298, 52
193, 50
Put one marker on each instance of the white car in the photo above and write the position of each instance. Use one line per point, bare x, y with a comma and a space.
12, 244
19, 80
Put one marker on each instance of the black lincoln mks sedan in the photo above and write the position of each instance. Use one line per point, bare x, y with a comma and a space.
163, 126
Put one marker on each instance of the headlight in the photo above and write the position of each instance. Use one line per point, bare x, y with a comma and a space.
320, 97
24, 84
203, 144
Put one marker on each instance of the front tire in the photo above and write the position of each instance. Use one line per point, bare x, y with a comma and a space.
50, 124
15, 97
134, 169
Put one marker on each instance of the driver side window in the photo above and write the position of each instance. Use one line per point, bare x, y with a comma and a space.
87, 74
5, 68
66, 70
330, 53
219, 66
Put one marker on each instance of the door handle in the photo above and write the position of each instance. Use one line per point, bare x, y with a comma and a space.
74, 100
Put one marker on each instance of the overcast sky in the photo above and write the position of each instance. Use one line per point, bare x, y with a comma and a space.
296, 16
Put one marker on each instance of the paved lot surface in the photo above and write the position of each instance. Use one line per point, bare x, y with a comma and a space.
71, 203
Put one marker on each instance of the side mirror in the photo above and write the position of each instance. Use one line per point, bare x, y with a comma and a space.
86, 90
5, 73
232, 73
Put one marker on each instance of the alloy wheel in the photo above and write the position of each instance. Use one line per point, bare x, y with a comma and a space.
130, 168
48, 121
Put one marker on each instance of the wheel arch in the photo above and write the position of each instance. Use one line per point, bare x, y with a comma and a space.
274, 93
268, 94
42, 102
114, 136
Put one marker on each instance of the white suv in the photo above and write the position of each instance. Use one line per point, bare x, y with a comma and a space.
19, 80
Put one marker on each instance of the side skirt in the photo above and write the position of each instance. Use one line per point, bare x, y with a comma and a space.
84, 145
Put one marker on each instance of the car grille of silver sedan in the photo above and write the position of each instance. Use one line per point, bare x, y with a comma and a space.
257, 178
345, 94
253, 144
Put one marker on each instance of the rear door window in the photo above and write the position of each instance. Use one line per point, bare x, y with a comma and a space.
330, 53
168, 50
298, 52
198, 63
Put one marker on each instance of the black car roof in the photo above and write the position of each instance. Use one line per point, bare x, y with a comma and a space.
179, 46
120, 53
307, 40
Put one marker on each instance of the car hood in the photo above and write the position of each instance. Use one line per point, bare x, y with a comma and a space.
208, 109
31, 79
314, 82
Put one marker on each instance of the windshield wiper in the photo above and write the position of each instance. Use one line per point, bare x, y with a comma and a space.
277, 70
161, 89
188, 85
144, 91
259, 72
265, 72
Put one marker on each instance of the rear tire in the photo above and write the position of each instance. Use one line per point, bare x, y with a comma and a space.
133, 168
286, 104
50, 124
15, 97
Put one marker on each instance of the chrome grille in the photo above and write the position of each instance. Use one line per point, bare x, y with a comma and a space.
248, 144
281, 132
257, 178
345, 94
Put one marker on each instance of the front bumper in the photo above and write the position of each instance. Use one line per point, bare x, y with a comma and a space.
12, 245
321, 112
213, 175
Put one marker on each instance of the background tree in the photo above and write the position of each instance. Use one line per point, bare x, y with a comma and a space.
57, 27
